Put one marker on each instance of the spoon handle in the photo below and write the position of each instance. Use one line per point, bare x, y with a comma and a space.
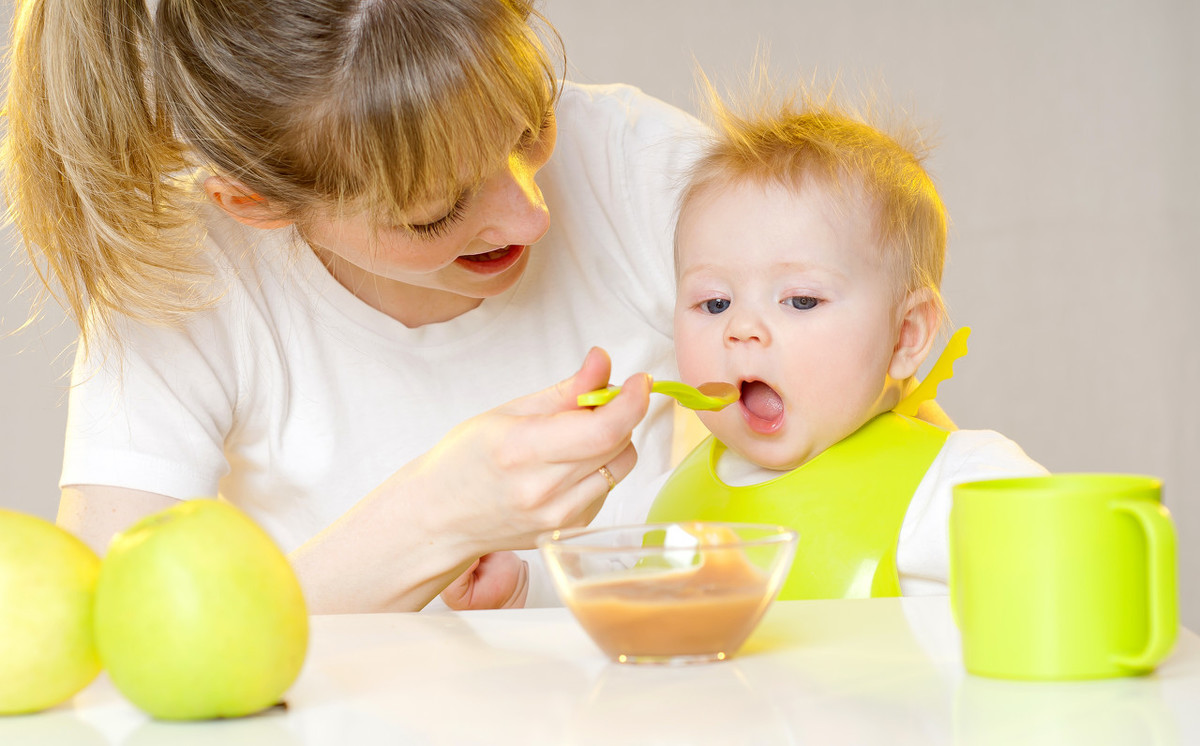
598, 397
686, 395
603, 396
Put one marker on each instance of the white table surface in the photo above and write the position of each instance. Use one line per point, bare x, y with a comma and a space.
882, 671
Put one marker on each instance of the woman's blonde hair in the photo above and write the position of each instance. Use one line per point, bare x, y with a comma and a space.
370, 105
802, 136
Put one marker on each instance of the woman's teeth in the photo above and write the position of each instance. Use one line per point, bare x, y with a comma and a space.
488, 256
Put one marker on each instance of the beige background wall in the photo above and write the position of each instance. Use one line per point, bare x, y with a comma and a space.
1067, 155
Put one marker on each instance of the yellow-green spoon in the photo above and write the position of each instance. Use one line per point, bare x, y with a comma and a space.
709, 396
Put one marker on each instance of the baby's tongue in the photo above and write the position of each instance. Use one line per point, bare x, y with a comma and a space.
761, 400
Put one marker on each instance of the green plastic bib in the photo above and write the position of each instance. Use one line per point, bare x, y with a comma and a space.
847, 503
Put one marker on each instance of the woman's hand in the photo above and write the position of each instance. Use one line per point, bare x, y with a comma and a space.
533, 464
493, 483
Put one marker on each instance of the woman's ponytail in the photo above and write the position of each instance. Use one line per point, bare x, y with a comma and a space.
91, 161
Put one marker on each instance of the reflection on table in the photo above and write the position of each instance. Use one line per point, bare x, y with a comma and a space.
821, 672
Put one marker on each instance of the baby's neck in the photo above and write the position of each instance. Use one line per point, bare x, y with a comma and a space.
736, 471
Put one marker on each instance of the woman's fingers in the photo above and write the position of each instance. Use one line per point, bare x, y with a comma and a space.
534, 464
562, 396
618, 467
552, 428
583, 435
591, 490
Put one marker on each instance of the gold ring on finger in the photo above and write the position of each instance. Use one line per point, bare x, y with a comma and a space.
608, 475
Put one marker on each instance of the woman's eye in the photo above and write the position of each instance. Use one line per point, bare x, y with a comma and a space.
802, 302
715, 305
442, 224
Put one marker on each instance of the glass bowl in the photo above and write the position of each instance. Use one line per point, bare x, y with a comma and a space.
669, 592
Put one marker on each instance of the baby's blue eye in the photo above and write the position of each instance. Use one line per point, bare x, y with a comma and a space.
802, 302
716, 305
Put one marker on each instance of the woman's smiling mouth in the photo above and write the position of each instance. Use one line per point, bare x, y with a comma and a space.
491, 262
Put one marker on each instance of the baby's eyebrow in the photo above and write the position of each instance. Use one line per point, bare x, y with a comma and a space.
807, 267
696, 269
777, 268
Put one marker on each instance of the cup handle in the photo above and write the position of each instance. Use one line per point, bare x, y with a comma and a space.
1163, 590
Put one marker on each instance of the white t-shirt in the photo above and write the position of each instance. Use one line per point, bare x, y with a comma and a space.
922, 554
293, 399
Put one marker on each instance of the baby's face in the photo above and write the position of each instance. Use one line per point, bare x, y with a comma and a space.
786, 296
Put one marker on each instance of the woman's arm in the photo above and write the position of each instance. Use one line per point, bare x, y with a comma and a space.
338, 570
95, 513
493, 483
333, 568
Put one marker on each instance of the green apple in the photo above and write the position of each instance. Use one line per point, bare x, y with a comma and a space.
199, 614
47, 585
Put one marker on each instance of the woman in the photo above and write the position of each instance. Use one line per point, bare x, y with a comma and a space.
314, 272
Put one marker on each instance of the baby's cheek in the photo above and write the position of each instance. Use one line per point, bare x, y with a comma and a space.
726, 424
693, 358
687, 360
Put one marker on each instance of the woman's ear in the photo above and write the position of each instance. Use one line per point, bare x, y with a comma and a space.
922, 317
242, 204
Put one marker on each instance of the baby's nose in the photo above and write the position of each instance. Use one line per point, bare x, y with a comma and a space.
747, 326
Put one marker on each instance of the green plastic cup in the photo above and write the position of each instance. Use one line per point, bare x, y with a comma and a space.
1071, 576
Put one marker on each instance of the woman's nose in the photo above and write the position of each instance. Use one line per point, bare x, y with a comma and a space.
517, 212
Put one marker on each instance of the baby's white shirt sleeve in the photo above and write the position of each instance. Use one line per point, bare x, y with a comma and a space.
923, 554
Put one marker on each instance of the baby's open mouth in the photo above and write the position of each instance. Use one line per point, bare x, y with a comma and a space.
762, 406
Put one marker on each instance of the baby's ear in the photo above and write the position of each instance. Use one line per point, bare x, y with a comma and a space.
919, 324
242, 204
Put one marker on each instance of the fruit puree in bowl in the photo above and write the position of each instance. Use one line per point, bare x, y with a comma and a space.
669, 593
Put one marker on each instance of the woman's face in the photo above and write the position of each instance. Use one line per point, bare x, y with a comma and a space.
445, 258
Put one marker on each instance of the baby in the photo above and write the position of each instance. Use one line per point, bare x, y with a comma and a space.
809, 254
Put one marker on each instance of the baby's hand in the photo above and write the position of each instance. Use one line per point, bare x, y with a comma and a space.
499, 580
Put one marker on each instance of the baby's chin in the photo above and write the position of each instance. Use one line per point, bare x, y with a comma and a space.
768, 455
788, 448
775, 452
